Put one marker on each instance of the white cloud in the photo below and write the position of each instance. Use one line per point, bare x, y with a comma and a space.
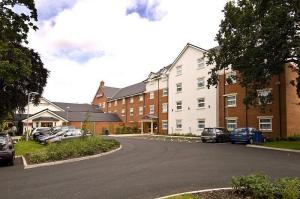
93, 40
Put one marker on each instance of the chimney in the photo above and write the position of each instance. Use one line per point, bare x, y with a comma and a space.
102, 83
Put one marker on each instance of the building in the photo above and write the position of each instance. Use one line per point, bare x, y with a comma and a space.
50, 114
279, 118
192, 106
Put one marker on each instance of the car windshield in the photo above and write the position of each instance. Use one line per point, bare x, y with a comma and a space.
208, 131
240, 131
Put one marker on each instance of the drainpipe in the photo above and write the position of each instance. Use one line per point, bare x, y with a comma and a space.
279, 101
246, 90
224, 97
158, 111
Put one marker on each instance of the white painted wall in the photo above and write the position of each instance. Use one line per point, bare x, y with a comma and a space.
42, 106
153, 85
189, 95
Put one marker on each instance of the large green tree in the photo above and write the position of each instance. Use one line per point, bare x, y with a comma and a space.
21, 68
257, 38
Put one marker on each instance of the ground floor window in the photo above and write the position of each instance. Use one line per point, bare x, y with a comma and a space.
201, 123
265, 123
46, 124
179, 124
164, 124
231, 123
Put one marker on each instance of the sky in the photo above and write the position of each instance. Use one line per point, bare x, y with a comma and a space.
82, 42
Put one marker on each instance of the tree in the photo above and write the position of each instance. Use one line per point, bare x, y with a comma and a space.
21, 68
257, 38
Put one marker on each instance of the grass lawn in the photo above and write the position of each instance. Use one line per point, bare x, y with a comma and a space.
295, 145
23, 147
67, 149
185, 196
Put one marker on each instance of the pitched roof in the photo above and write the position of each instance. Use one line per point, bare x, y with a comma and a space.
73, 107
93, 117
130, 90
158, 73
109, 92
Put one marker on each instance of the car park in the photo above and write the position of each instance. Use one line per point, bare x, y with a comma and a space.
247, 135
68, 134
7, 151
39, 131
215, 135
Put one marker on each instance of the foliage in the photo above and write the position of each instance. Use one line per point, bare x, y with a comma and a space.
295, 145
21, 68
185, 196
87, 125
257, 38
258, 186
23, 147
73, 148
127, 130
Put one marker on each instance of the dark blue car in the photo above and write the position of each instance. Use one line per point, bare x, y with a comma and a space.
247, 135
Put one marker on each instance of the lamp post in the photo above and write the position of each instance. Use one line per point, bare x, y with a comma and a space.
68, 113
30, 93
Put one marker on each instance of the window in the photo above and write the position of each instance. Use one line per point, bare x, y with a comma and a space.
151, 109
103, 104
141, 111
109, 104
165, 107
179, 70
123, 101
131, 112
141, 98
264, 96
179, 105
151, 95
201, 123
131, 99
116, 102
265, 123
231, 100
201, 63
201, 82
179, 124
123, 111
230, 77
165, 124
201, 103
179, 87
165, 92
231, 123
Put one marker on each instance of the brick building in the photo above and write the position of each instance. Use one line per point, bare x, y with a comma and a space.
278, 119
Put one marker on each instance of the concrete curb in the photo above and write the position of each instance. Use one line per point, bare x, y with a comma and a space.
26, 166
127, 135
192, 192
273, 148
180, 137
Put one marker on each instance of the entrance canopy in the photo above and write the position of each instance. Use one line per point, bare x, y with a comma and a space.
148, 118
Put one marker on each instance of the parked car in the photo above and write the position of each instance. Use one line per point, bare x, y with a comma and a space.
247, 135
53, 132
39, 131
215, 135
7, 151
69, 134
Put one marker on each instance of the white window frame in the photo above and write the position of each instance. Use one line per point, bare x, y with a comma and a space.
178, 122
269, 123
198, 121
141, 110
164, 108
203, 103
178, 70
123, 101
141, 98
151, 109
165, 92
103, 104
109, 104
259, 93
231, 123
200, 63
116, 102
230, 105
230, 74
180, 101
123, 111
179, 87
151, 95
131, 112
199, 80
164, 125
131, 100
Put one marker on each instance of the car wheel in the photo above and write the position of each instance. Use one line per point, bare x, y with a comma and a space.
232, 142
203, 140
11, 161
250, 141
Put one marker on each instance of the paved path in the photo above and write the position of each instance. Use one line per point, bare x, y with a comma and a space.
146, 169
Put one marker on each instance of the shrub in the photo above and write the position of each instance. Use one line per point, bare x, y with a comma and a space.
118, 130
258, 186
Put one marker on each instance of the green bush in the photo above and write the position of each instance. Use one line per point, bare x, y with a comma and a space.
74, 148
258, 186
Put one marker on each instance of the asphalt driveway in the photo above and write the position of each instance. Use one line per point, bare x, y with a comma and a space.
146, 169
